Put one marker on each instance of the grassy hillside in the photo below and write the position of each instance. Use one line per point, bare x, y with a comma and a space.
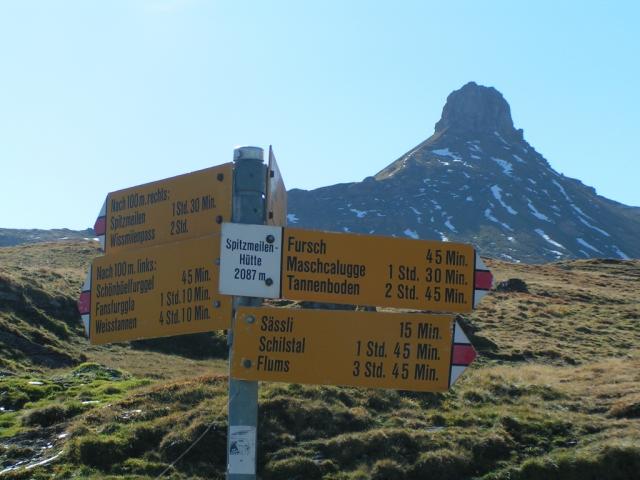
554, 394
38, 288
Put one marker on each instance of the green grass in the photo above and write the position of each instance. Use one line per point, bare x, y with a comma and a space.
500, 422
554, 394
40, 402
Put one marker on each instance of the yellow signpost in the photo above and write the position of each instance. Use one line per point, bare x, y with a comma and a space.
169, 210
160, 277
374, 270
362, 349
159, 291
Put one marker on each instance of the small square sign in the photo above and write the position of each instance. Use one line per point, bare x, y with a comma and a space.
250, 260
242, 450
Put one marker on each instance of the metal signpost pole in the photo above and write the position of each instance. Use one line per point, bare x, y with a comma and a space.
249, 187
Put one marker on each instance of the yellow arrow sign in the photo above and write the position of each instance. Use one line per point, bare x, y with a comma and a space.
377, 350
383, 271
169, 210
169, 289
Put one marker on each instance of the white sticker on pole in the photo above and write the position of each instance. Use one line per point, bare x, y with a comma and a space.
242, 450
250, 260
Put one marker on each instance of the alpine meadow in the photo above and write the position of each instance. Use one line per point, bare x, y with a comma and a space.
554, 392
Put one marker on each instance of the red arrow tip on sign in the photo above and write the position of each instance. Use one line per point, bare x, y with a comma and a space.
484, 279
463, 355
84, 303
100, 227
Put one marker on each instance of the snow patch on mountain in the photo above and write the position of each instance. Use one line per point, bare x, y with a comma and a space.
417, 213
436, 205
500, 138
497, 193
489, 216
443, 237
507, 167
562, 190
474, 146
536, 213
445, 152
593, 227
620, 253
509, 258
584, 243
450, 226
359, 213
411, 233
579, 210
540, 232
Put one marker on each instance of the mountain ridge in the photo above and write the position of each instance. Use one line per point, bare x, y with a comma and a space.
10, 237
476, 179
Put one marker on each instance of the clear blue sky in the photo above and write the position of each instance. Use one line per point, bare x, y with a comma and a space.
97, 96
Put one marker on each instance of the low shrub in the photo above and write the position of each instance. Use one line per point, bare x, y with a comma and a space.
293, 468
441, 465
387, 469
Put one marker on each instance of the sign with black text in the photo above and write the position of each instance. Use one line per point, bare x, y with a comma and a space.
169, 210
382, 271
352, 269
250, 260
154, 292
401, 351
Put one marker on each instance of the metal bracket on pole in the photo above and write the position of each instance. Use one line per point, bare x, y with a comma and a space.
249, 188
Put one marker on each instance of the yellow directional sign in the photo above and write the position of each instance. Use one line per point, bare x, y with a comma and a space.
170, 210
276, 198
364, 349
374, 270
169, 289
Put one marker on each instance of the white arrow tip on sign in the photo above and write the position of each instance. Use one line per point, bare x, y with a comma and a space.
86, 319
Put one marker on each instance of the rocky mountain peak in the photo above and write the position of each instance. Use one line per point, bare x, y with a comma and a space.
477, 109
477, 180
